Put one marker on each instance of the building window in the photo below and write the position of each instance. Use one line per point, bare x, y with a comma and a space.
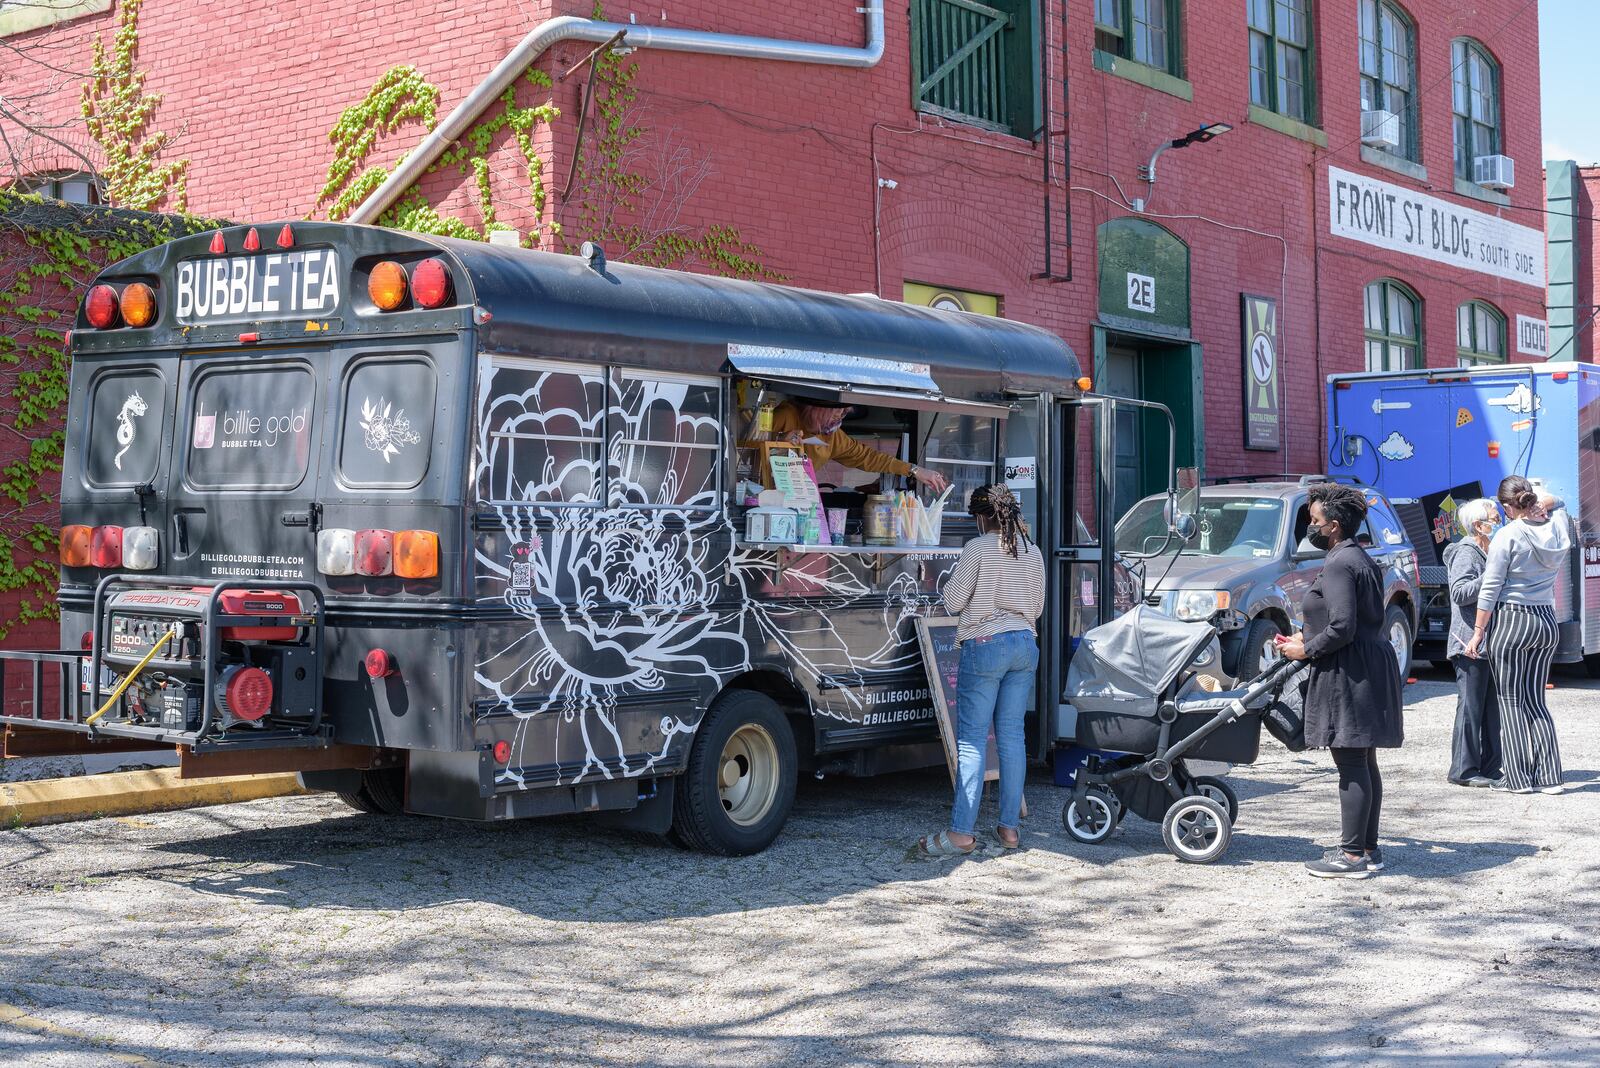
1476, 101
1145, 31
1280, 57
975, 62
1388, 48
1392, 318
73, 187
1480, 334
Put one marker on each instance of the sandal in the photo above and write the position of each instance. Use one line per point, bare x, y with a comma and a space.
940, 845
1008, 843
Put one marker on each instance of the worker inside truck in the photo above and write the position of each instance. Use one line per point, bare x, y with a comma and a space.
817, 428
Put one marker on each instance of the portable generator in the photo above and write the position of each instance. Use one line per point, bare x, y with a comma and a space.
253, 649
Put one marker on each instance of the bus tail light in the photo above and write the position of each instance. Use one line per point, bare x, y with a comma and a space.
100, 307
387, 285
75, 542
245, 693
138, 305
336, 551
379, 664
105, 547
416, 554
430, 283
139, 548
374, 552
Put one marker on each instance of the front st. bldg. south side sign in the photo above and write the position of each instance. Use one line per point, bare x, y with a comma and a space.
1403, 220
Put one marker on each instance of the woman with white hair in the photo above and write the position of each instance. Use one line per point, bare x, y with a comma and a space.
1475, 748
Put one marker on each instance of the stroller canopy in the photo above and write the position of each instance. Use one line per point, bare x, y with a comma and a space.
1124, 665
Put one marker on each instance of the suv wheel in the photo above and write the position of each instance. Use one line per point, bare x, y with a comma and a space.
1257, 653
1397, 632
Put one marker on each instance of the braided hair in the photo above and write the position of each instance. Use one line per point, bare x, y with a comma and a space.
996, 503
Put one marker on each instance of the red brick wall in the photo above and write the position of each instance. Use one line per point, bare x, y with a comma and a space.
791, 152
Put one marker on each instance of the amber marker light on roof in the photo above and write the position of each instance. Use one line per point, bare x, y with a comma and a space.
138, 304
387, 285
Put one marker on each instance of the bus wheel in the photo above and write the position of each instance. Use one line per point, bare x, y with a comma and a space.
736, 794
382, 792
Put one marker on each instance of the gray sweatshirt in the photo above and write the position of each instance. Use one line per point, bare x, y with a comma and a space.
1524, 560
1465, 563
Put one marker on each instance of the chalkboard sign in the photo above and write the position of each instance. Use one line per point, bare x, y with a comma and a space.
941, 656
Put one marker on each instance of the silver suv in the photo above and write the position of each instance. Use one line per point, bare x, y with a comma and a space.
1248, 565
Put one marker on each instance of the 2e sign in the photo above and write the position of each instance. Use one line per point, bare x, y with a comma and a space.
1141, 293
284, 285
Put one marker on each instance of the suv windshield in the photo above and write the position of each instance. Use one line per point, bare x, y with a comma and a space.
1228, 526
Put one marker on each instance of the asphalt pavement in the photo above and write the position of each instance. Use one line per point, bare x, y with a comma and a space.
292, 931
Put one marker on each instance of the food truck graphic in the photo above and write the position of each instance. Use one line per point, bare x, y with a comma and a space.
1445, 436
459, 529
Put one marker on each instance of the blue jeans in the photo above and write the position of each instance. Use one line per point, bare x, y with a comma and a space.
993, 684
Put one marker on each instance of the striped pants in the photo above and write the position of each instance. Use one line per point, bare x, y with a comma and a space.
1521, 647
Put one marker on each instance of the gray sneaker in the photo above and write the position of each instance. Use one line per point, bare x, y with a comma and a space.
1340, 866
1374, 858
1483, 782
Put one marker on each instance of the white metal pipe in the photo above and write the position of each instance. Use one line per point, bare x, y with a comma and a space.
570, 28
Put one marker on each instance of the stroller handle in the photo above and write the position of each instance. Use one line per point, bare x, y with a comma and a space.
1271, 678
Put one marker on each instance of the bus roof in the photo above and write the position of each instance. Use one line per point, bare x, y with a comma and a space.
548, 304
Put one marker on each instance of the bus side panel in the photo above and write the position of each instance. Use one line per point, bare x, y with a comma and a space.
419, 705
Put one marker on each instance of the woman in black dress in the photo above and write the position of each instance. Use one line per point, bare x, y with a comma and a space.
1353, 697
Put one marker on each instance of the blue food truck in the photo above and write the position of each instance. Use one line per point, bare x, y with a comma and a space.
1444, 436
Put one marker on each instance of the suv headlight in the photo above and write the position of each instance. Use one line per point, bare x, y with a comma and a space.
1195, 605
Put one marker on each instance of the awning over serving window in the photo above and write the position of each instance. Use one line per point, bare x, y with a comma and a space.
841, 379
764, 361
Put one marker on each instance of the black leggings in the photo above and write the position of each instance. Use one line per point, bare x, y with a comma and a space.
1360, 798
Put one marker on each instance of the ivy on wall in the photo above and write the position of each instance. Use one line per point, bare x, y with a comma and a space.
606, 203
49, 253
118, 113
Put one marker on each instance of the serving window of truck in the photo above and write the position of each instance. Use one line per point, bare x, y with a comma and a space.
485, 533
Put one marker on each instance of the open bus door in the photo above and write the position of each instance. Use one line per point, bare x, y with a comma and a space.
1086, 583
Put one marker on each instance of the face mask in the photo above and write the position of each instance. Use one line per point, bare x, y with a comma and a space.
1318, 539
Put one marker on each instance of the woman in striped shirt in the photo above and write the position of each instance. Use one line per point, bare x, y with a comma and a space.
997, 587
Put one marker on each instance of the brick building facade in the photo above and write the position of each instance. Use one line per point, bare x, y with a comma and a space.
1571, 192
1009, 185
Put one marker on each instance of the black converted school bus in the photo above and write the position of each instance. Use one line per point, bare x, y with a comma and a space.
458, 529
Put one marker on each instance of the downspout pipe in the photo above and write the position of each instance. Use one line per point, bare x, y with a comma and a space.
570, 28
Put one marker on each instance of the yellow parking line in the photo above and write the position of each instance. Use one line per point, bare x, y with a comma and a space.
12, 1016
85, 797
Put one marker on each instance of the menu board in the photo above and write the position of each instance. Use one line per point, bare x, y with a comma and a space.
941, 657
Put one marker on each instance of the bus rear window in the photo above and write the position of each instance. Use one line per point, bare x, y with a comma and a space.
126, 426
251, 427
387, 435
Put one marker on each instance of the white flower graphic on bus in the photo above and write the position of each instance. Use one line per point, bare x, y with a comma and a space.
639, 597
386, 431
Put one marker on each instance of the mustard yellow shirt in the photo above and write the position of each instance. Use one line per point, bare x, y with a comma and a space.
837, 446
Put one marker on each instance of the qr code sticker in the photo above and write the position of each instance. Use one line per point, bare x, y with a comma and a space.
522, 576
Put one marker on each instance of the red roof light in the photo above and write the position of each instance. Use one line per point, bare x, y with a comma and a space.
430, 283
218, 246
286, 237
252, 241
100, 307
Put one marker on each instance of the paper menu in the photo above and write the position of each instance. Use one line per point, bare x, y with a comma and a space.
792, 475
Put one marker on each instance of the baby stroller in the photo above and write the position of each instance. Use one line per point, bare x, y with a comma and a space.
1134, 686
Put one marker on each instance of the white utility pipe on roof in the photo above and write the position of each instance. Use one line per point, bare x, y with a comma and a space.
570, 28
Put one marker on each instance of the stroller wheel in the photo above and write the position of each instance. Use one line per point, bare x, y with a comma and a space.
1092, 821
1197, 829
1220, 792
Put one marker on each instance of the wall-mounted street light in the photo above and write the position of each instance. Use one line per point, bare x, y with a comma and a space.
1193, 137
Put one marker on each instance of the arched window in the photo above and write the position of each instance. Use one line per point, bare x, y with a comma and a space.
74, 187
1480, 334
1388, 78
1476, 101
1393, 321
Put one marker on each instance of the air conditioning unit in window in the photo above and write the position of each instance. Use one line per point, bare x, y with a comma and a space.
1494, 172
1380, 129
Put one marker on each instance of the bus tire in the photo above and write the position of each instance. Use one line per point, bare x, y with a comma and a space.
382, 792
736, 794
